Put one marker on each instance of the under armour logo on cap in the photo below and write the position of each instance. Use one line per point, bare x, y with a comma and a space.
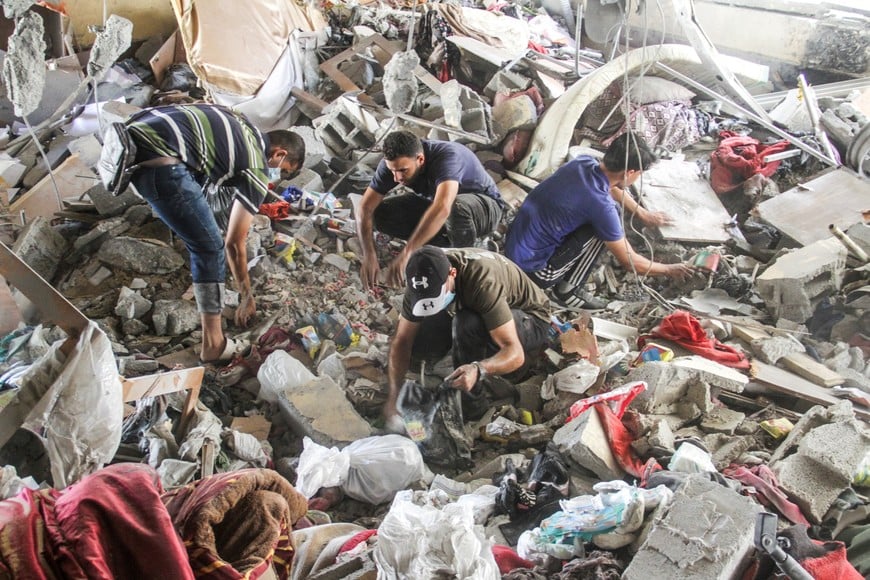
423, 282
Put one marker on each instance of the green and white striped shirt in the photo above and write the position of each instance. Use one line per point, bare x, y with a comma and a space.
213, 141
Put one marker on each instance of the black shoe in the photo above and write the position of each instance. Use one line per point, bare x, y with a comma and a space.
579, 299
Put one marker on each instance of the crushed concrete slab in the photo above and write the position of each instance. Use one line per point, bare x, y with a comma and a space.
174, 317
400, 83
668, 382
584, 443
24, 66
770, 350
131, 304
320, 410
140, 256
109, 44
722, 420
706, 532
818, 459
795, 283
337, 261
41, 247
111, 205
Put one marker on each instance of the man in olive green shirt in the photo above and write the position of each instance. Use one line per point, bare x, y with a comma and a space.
475, 301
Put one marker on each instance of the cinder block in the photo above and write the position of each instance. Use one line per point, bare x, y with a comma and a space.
41, 247
706, 532
320, 410
584, 443
795, 283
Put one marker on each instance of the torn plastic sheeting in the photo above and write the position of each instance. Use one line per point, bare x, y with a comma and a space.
577, 378
453, 546
80, 410
205, 427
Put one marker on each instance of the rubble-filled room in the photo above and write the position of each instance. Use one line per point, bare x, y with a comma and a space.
539, 289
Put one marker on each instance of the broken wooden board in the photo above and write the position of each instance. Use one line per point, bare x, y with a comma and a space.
677, 188
835, 197
164, 383
73, 179
805, 366
185, 358
791, 384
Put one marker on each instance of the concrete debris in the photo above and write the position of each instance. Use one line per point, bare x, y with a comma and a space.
766, 278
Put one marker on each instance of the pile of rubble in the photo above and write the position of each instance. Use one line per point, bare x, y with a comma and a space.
629, 451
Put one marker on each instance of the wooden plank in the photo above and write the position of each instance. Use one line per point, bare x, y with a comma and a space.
747, 333
169, 382
835, 197
677, 188
812, 370
73, 178
791, 384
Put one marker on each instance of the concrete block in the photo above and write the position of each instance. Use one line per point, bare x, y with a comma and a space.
796, 282
41, 247
722, 420
174, 317
321, 411
662, 437
110, 205
131, 304
774, 348
345, 126
668, 382
337, 261
817, 463
584, 443
141, 256
706, 532
464, 109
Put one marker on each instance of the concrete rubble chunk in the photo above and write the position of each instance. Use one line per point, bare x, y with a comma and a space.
174, 317
774, 348
15, 8
24, 66
796, 283
337, 261
141, 256
111, 205
41, 247
818, 459
400, 84
320, 410
706, 532
668, 382
722, 420
131, 304
584, 443
105, 229
109, 44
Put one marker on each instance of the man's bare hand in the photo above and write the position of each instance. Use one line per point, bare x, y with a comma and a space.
680, 271
369, 271
246, 311
654, 218
396, 270
464, 377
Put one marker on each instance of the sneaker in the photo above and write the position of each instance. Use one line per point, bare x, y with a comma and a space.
579, 299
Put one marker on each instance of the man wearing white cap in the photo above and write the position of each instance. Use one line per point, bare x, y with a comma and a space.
479, 303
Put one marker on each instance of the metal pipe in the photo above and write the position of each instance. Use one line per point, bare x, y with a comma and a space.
813, 111
849, 243
749, 114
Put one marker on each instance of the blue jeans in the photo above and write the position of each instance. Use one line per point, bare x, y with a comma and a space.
178, 200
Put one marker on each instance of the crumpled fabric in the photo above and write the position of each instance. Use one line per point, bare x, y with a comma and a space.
619, 440
597, 565
108, 525
508, 560
767, 490
823, 560
685, 330
738, 158
277, 210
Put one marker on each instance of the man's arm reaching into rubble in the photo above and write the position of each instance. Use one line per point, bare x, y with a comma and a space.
369, 269
629, 259
430, 224
510, 357
400, 360
649, 218
237, 259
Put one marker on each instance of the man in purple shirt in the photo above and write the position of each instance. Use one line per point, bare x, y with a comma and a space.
566, 222
455, 201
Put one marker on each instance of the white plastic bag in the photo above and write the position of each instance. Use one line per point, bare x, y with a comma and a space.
576, 378
382, 465
691, 459
423, 541
80, 408
320, 466
280, 372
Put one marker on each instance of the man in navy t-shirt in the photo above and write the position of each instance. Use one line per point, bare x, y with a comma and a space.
566, 221
455, 201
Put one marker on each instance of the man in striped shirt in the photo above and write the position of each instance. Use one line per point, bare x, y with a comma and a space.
180, 148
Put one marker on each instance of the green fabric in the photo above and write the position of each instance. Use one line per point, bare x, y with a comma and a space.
857, 540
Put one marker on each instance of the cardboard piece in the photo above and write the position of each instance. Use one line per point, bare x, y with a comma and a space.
73, 179
170, 53
256, 425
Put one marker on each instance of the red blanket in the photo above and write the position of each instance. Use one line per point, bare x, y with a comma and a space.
738, 158
109, 525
